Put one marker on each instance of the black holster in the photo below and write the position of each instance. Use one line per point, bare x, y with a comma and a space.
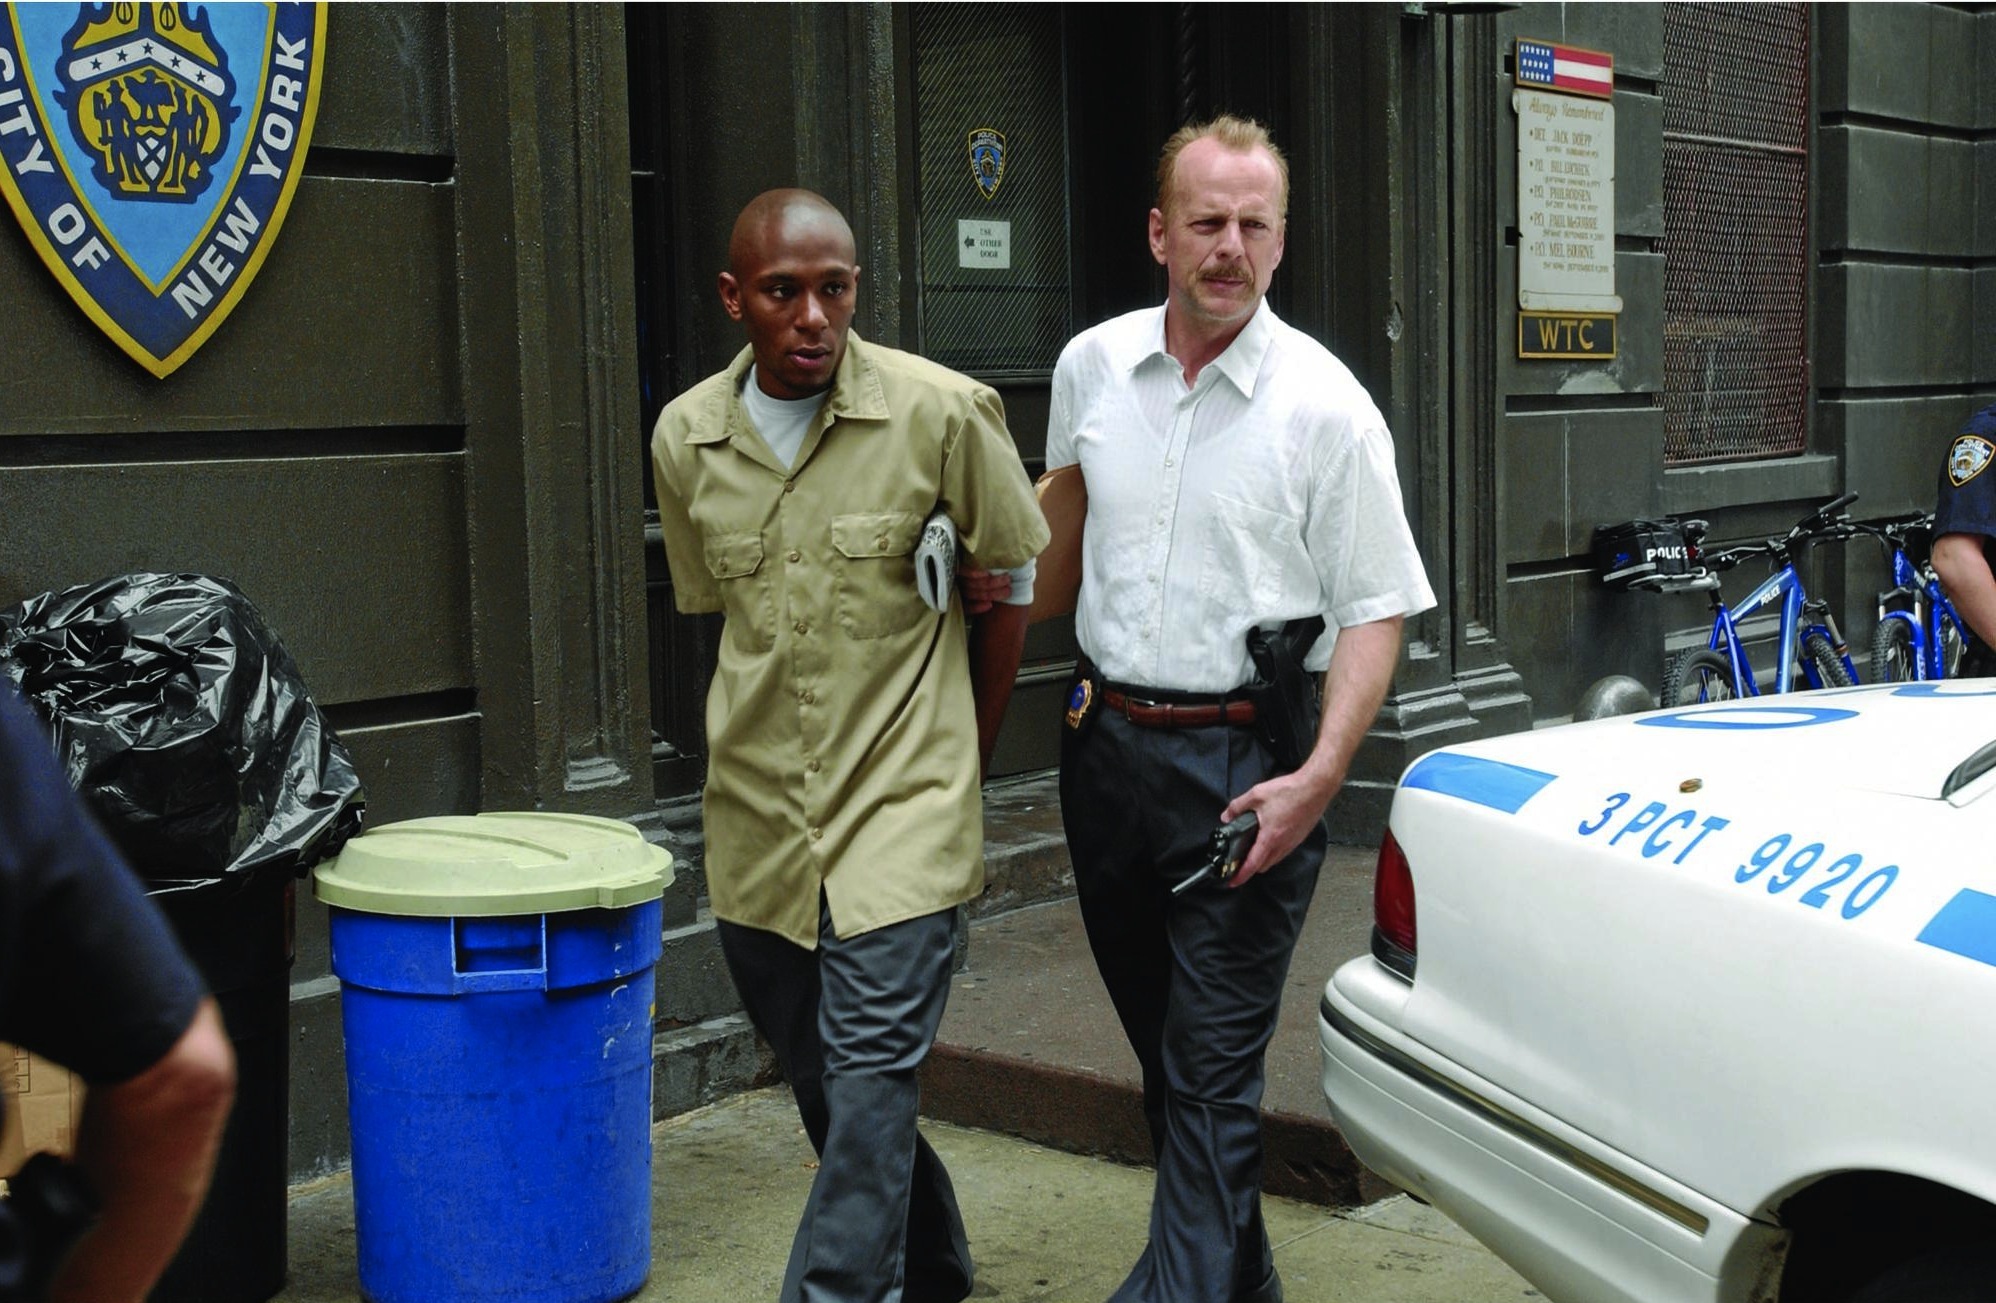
1284, 697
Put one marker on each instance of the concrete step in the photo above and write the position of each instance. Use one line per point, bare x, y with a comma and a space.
1025, 851
700, 1063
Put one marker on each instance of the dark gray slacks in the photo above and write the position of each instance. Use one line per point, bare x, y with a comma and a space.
1196, 981
850, 1023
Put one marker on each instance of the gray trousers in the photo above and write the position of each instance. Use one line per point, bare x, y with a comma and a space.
1196, 980
850, 1023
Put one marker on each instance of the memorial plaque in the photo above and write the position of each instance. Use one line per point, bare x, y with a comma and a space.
1566, 202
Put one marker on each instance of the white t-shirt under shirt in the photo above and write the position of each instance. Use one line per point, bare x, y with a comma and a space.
784, 423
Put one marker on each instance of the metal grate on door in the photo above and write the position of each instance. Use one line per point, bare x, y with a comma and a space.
990, 122
1736, 239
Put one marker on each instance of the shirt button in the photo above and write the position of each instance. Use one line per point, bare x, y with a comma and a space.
789, 486
808, 697
802, 627
881, 542
795, 555
814, 766
817, 834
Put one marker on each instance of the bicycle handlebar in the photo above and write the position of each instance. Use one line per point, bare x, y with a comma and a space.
1894, 530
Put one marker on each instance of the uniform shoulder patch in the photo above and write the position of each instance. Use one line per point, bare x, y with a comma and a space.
1967, 458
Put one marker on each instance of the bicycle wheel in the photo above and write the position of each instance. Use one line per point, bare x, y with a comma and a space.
1817, 651
1892, 653
1700, 674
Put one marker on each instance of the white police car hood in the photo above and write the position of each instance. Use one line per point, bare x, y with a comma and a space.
1925, 740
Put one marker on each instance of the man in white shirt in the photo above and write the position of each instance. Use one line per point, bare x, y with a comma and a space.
1238, 477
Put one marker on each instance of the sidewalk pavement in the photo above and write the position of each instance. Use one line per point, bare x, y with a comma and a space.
1046, 1227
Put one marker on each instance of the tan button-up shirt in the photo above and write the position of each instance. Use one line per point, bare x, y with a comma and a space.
842, 743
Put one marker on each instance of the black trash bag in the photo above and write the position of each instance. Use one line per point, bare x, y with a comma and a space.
184, 722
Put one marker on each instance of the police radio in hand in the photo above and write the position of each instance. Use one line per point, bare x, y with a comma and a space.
1230, 844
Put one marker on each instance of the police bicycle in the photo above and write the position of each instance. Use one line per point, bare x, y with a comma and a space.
1808, 638
1919, 635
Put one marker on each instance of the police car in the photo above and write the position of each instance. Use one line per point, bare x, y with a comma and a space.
1695, 1004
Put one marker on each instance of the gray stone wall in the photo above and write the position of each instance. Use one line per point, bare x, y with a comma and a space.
1905, 321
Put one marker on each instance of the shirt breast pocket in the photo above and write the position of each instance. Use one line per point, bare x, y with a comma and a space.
876, 572
1249, 553
747, 598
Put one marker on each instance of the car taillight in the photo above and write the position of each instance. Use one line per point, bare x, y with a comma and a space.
1393, 909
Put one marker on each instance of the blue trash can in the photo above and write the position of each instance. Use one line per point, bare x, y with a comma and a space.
497, 998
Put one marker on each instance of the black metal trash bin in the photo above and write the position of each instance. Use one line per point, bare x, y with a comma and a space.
184, 722
240, 936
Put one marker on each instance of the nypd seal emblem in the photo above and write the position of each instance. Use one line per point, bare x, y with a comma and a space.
987, 159
151, 151
1967, 457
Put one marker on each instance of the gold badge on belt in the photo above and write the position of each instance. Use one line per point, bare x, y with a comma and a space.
1080, 702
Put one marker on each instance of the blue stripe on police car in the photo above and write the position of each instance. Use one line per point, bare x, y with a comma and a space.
1483, 782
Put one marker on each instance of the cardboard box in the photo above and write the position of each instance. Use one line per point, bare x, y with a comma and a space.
44, 1105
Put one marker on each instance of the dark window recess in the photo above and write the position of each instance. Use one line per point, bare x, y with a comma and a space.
683, 648
992, 68
1735, 231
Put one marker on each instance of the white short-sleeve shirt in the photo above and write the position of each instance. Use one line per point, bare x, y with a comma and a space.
1264, 492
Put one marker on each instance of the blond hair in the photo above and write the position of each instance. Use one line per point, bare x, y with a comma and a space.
1242, 135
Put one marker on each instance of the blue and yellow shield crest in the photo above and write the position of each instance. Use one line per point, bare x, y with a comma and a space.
987, 159
150, 151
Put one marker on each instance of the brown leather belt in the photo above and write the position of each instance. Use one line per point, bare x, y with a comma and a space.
1173, 714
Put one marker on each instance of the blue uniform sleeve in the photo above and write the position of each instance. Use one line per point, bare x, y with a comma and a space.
91, 975
1966, 500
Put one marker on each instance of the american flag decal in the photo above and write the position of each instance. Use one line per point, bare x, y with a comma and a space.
1566, 68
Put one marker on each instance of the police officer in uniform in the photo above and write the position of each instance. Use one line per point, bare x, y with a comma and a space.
92, 978
1965, 535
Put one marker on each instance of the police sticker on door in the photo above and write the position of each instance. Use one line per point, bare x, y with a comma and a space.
151, 151
987, 160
